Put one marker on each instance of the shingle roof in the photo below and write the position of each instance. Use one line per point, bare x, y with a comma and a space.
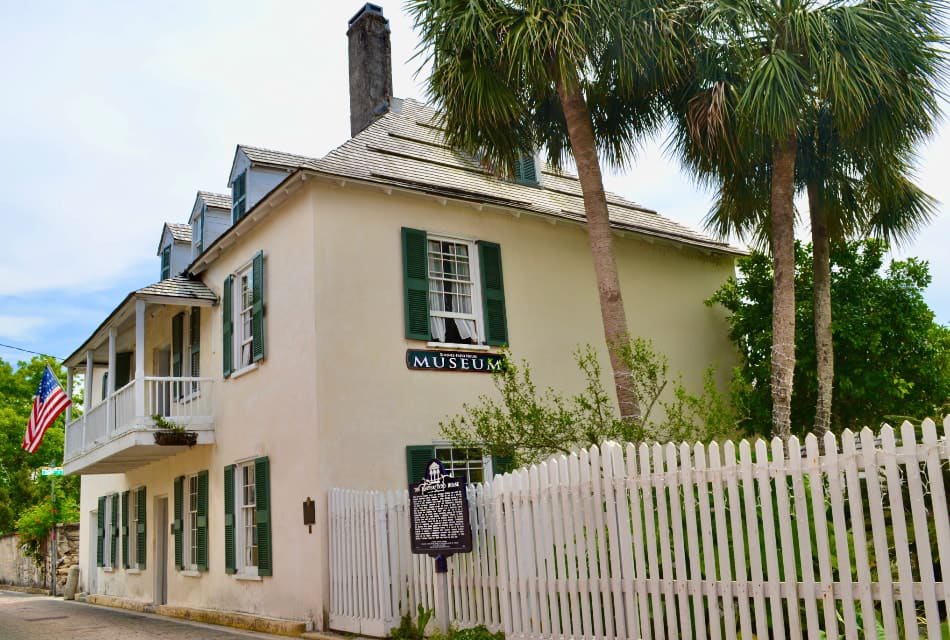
180, 232
217, 200
179, 287
274, 158
405, 148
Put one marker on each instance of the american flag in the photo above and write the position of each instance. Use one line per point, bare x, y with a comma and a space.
50, 401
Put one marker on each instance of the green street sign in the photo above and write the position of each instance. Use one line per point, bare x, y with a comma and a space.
51, 471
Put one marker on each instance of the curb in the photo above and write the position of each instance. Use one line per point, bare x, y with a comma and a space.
244, 621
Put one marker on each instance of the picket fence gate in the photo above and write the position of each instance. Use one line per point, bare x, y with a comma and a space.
765, 540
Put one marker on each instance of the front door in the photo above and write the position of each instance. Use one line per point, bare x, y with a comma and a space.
161, 550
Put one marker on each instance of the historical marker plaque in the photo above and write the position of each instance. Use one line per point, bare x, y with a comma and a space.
438, 513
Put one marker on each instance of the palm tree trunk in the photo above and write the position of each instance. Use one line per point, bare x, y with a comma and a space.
783, 285
824, 349
581, 133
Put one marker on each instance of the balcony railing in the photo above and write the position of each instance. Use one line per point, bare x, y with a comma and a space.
186, 402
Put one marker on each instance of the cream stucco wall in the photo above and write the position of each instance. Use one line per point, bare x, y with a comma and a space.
333, 403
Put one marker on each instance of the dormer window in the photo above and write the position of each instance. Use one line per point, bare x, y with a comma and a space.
166, 262
526, 171
239, 197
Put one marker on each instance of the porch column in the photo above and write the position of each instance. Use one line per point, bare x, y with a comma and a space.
110, 386
86, 395
140, 358
87, 390
69, 394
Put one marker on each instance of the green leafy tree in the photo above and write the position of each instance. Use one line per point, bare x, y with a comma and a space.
762, 72
21, 486
523, 425
892, 359
576, 79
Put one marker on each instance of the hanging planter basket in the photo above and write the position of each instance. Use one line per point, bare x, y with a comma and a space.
175, 438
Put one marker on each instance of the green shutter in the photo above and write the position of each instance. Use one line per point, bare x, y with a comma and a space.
123, 369
526, 171
415, 270
257, 310
114, 552
140, 529
493, 293
502, 464
200, 245
265, 561
125, 529
101, 533
228, 325
230, 564
166, 262
238, 197
177, 524
105, 385
202, 559
417, 459
194, 337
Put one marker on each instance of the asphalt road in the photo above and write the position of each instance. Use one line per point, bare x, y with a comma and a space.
31, 617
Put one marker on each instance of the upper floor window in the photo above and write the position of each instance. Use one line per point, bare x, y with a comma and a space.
166, 262
454, 291
239, 197
243, 321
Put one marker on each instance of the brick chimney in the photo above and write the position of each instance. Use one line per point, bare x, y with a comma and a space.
371, 73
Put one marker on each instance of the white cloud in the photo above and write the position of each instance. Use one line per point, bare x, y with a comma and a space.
21, 328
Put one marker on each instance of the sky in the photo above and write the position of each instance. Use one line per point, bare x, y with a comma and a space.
113, 114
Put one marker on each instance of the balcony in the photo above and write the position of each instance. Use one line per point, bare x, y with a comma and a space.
118, 434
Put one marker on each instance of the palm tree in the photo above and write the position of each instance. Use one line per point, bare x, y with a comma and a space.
576, 78
761, 69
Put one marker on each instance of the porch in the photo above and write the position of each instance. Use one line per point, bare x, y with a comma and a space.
141, 376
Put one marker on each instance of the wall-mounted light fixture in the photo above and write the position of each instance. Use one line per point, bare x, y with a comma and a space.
309, 514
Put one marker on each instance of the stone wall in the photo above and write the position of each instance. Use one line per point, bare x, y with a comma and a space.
18, 569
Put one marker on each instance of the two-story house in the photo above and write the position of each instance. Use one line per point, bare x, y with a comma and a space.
312, 328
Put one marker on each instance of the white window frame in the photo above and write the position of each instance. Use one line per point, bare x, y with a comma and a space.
239, 339
108, 534
477, 315
190, 523
132, 527
452, 465
245, 520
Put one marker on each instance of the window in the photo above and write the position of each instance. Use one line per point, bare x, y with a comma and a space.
243, 311
247, 516
239, 197
132, 527
247, 529
107, 536
460, 462
191, 522
454, 292
166, 262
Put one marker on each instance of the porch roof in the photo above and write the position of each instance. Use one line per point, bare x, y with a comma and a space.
176, 290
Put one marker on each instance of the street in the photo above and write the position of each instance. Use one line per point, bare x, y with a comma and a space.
29, 617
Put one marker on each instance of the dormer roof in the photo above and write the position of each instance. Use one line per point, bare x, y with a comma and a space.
268, 158
210, 200
179, 233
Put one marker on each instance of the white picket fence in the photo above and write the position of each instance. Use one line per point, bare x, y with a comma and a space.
767, 540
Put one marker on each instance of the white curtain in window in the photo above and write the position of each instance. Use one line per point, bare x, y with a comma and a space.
466, 329
436, 323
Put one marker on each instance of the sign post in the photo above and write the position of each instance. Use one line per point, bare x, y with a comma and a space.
439, 526
52, 472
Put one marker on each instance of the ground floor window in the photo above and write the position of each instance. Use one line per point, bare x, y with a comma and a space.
191, 523
461, 462
247, 511
132, 524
